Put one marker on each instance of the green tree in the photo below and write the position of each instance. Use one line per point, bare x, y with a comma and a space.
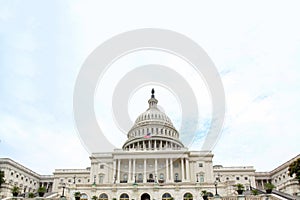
94, 198
1, 178
294, 169
15, 191
254, 192
30, 195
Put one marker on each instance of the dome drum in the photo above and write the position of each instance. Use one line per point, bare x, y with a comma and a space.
154, 143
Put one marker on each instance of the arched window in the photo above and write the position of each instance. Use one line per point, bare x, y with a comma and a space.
124, 196
161, 176
150, 176
103, 196
166, 196
125, 177
140, 177
84, 196
187, 196
176, 175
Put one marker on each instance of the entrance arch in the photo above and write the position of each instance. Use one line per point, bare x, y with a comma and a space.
145, 196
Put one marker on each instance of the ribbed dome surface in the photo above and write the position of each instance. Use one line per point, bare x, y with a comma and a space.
151, 115
152, 129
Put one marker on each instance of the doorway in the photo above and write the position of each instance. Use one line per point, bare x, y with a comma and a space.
145, 196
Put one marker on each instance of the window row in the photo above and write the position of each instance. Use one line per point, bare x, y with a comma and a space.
23, 178
158, 131
237, 178
125, 196
153, 116
71, 180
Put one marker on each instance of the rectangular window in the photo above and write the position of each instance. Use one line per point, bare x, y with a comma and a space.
101, 178
101, 166
201, 178
200, 164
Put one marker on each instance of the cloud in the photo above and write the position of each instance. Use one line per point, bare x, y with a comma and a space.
257, 56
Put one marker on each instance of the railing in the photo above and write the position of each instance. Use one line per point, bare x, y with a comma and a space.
235, 167
71, 170
279, 194
284, 195
47, 176
252, 197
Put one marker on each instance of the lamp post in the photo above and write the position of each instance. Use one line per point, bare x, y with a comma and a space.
176, 177
216, 188
94, 180
250, 184
63, 192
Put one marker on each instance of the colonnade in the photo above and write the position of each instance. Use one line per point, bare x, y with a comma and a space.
152, 145
150, 173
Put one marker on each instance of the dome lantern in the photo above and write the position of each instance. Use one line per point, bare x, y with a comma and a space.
152, 102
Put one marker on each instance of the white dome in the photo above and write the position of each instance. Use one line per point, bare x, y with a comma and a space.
153, 129
153, 115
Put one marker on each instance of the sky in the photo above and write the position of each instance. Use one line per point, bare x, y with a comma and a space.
255, 47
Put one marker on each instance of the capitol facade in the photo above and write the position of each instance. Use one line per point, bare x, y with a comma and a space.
153, 164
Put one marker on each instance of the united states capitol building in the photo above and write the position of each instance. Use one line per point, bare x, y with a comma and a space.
153, 164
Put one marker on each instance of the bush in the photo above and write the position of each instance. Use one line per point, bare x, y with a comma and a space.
269, 186
15, 191
94, 198
240, 186
30, 195
254, 192
41, 190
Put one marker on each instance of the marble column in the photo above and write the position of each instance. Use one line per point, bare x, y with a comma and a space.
182, 169
145, 170
167, 170
155, 167
187, 167
171, 166
114, 171
119, 167
129, 170
133, 171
